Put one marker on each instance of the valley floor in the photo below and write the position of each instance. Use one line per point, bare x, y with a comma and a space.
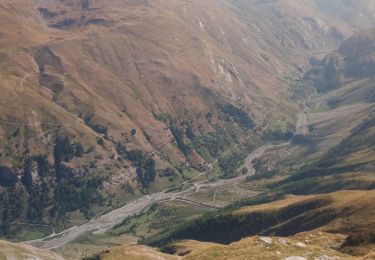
311, 245
109, 220
184, 192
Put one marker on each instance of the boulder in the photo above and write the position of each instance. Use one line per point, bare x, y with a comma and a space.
294, 258
266, 240
301, 245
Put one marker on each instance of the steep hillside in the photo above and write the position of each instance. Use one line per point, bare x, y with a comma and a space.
353, 61
334, 154
103, 101
339, 212
340, 140
336, 149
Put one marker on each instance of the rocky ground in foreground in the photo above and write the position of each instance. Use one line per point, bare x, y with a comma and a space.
315, 245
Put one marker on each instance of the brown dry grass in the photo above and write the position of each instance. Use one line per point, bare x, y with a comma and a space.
273, 205
135, 253
359, 204
19, 251
152, 59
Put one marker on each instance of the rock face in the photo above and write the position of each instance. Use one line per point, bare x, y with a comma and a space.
301, 245
325, 257
266, 240
283, 241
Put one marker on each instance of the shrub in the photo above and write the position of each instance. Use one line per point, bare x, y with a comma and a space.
238, 115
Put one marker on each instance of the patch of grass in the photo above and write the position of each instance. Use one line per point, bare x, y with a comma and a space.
205, 153
158, 219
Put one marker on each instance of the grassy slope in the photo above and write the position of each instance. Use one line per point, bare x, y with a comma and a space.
249, 248
329, 216
125, 78
285, 217
129, 65
348, 165
338, 153
342, 124
19, 251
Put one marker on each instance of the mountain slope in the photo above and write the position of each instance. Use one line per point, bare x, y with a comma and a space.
336, 150
328, 219
341, 126
248, 248
335, 154
128, 81
104, 101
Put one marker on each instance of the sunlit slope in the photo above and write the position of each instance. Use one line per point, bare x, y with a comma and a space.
20, 251
335, 225
138, 65
103, 101
338, 151
247, 248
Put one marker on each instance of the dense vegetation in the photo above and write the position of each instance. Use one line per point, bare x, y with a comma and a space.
324, 75
178, 135
144, 164
230, 163
55, 190
237, 115
225, 227
278, 136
